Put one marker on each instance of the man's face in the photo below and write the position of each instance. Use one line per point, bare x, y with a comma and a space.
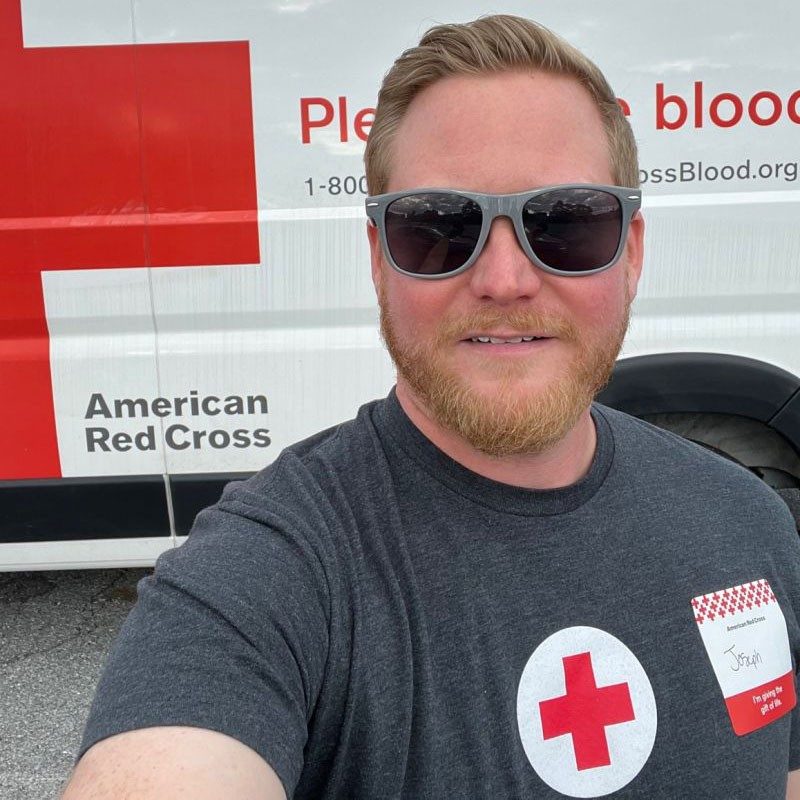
500, 134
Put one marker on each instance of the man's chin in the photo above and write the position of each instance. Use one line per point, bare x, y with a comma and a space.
500, 419
507, 388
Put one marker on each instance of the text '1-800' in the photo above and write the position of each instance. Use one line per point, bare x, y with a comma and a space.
337, 184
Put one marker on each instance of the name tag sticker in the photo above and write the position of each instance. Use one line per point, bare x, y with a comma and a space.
744, 633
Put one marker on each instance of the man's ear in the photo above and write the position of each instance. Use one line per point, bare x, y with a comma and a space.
375, 254
634, 253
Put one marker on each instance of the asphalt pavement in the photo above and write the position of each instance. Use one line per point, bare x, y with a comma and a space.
55, 631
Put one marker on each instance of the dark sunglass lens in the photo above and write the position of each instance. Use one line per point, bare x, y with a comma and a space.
432, 233
574, 230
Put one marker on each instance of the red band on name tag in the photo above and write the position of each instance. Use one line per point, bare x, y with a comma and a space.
761, 705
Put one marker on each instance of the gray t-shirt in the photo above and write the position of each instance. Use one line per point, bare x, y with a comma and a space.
377, 621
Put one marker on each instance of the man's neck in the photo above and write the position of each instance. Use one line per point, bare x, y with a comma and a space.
565, 463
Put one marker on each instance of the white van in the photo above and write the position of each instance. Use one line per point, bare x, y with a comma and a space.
185, 272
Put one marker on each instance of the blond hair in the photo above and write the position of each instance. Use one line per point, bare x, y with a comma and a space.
492, 44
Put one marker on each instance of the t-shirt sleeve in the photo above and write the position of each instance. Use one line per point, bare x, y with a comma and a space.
794, 742
230, 633
787, 557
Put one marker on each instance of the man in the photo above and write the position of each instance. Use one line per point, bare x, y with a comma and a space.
483, 586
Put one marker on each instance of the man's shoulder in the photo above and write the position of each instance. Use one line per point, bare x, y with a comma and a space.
655, 451
299, 510
635, 437
326, 462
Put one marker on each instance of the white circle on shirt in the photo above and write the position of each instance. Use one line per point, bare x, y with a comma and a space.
586, 712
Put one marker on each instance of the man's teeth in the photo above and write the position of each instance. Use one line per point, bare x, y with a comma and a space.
494, 340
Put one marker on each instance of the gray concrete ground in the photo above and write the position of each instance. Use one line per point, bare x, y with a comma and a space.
55, 631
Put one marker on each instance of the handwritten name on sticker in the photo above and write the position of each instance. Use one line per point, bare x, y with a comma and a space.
739, 660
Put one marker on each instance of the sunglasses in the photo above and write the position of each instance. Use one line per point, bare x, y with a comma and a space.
575, 229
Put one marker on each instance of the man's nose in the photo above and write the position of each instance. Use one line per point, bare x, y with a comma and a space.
503, 272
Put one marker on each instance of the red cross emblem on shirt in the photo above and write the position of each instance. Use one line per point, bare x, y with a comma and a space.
112, 156
585, 711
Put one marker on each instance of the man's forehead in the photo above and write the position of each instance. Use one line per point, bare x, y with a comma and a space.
525, 127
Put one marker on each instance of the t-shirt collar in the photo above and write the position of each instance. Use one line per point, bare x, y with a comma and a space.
392, 419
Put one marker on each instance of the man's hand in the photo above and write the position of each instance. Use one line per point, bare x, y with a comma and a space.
157, 763
793, 787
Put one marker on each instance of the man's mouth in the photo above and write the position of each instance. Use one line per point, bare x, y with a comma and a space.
504, 340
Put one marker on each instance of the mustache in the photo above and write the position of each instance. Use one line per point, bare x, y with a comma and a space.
458, 326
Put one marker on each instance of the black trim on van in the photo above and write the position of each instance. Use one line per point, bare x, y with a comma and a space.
69, 509
191, 493
710, 383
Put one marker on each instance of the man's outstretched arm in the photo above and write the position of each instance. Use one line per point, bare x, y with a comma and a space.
793, 789
167, 762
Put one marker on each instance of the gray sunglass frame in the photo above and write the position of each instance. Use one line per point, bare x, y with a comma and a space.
504, 205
